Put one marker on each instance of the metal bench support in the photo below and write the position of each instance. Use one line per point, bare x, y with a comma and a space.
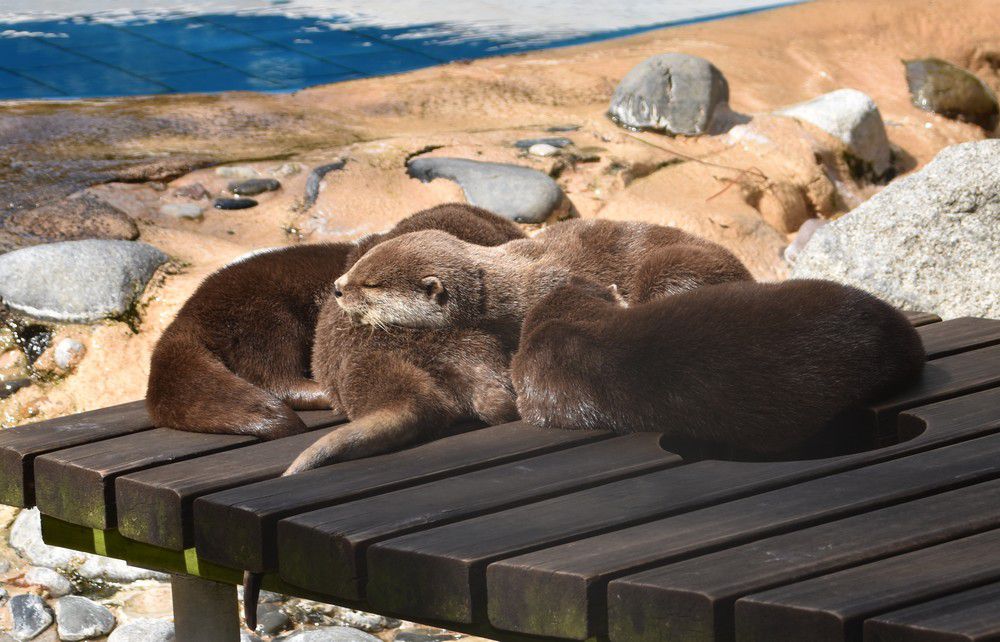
204, 610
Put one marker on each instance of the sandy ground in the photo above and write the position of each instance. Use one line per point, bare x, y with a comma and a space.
748, 188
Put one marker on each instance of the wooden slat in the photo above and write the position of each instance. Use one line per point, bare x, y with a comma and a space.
155, 505
832, 608
237, 527
324, 550
440, 573
969, 616
560, 591
19, 446
921, 318
693, 600
959, 335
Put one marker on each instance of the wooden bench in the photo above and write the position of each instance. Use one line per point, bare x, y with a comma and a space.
512, 532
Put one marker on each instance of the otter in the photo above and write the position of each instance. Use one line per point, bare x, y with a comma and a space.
431, 279
236, 359
735, 370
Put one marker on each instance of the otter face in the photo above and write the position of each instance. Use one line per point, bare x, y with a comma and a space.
394, 285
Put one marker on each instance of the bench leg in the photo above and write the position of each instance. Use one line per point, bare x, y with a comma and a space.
204, 611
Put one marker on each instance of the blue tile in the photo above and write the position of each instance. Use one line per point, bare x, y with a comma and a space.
93, 79
8, 79
194, 35
325, 43
25, 53
213, 81
255, 24
273, 63
384, 62
81, 35
17, 87
147, 57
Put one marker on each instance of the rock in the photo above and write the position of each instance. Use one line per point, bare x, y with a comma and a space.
234, 203
941, 87
7, 388
316, 178
14, 365
852, 117
194, 192
144, 631
287, 169
805, 233
422, 636
3, 595
543, 149
271, 620
368, 622
77, 281
556, 129
26, 539
69, 352
672, 93
30, 616
519, 193
189, 211
83, 217
528, 143
53, 582
78, 618
328, 634
236, 171
928, 241
254, 186
249, 637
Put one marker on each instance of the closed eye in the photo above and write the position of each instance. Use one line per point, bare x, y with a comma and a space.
371, 285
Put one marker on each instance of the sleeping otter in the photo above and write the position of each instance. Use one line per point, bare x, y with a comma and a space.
745, 370
431, 279
236, 359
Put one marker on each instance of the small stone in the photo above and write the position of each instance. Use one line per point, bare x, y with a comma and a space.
527, 143
254, 186
271, 620
249, 637
53, 582
69, 352
555, 129
316, 178
327, 634
521, 194
30, 616
287, 169
267, 597
78, 618
802, 237
422, 636
236, 171
7, 388
4, 566
543, 149
14, 365
234, 203
3, 595
82, 217
189, 211
368, 622
77, 281
194, 192
672, 93
144, 631
941, 87
853, 118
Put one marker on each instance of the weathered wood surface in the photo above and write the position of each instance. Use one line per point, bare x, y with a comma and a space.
921, 318
518, 533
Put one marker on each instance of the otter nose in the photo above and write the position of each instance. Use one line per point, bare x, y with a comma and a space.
338, 288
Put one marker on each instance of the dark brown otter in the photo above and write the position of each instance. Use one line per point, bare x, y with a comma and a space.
745, 370
236, 359
431, 279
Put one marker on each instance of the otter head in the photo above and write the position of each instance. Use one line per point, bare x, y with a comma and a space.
424, 279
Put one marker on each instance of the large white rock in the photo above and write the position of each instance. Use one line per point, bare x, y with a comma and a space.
853, 117
929, 241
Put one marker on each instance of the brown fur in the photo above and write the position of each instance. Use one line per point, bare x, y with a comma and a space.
738, 369
431, 279
237, 357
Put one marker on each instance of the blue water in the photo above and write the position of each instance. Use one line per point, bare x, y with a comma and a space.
80, 57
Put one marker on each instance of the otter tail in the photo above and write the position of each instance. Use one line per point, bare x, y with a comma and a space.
191, 389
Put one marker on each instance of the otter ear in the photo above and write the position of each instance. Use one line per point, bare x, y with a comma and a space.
434, 289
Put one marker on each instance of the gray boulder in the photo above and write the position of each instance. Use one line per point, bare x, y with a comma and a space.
78, 618
852, 117
673, 93
519, 193
77, 281
941, 87
144, 631
29, 616
329, 634
926, 242
51, 581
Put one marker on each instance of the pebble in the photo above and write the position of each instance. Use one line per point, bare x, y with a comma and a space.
189, 211
249, 637
316, 177
3, 595
30, 616
941, 87
194, 191
53, 582
543, 149
368, 622
254, 186
555, 129
287, 169
521, 194
234, 203
78, 618
7, 388
271, 620
236, 171
144, 631
420, 636
77, 281
14, 364
527, 143
802, 237
328, 634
